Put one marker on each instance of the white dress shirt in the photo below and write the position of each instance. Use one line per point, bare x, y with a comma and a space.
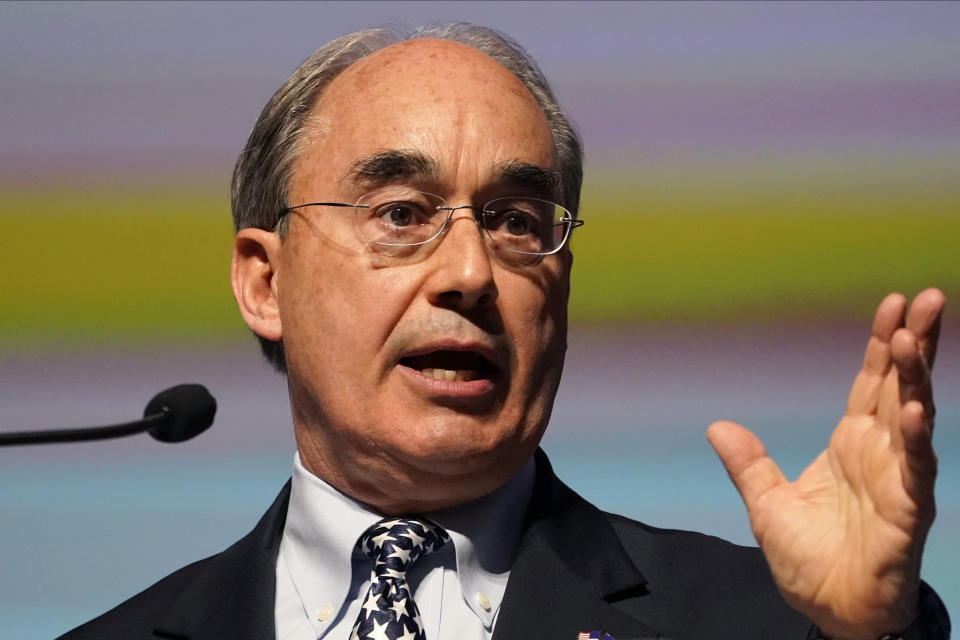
322, 580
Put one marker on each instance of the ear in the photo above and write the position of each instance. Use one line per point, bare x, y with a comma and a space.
253, 276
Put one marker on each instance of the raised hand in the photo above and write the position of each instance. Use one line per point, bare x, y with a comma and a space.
845, 540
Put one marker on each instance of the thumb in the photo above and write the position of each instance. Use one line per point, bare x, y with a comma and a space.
746, 461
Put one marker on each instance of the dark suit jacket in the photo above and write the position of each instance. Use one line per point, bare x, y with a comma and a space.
577, 569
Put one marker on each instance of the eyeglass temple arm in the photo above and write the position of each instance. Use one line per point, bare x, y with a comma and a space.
284, 212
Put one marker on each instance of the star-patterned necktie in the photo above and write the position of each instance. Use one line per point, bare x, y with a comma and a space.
388, 611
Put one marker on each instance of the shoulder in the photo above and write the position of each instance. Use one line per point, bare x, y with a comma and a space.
682, 583
694, 557
135, 618
706, 583
225, 595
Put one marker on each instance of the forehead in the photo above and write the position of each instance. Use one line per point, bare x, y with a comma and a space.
443, 99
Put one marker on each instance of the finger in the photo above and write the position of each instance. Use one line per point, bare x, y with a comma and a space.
889, 316
920, 462
865, 391
743, 455
913, 374
923, 319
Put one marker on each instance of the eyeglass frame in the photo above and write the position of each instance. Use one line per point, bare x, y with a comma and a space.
572, 222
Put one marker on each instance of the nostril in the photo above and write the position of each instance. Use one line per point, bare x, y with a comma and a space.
467, 298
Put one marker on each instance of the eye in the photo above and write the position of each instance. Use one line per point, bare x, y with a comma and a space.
399, 214
517, 223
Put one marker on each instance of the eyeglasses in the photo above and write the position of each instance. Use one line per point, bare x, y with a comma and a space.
399, 220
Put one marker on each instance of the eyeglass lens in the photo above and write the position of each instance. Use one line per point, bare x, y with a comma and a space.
400, 217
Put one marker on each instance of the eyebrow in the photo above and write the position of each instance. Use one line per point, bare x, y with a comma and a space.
529, 177
392, 165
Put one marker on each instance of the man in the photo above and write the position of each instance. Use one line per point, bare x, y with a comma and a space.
402, 211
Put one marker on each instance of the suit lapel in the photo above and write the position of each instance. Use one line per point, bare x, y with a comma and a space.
570, 575
570, 572
232, 598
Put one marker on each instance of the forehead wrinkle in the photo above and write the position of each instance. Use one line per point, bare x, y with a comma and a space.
427, 67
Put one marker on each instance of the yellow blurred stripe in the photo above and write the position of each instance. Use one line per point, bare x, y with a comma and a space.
147, 263
96, 265
765, 255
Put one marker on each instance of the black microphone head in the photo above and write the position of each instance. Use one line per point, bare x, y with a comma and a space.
189, 410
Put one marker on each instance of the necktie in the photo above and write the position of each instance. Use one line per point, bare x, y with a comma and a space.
388, 611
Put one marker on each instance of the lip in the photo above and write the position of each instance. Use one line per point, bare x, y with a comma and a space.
481, 348
453, 388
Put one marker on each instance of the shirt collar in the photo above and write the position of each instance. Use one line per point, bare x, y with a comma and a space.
323, 526
485, 533
319, 536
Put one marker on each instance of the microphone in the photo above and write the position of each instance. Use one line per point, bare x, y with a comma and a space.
173, 415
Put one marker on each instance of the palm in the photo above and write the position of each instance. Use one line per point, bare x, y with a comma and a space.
844, 540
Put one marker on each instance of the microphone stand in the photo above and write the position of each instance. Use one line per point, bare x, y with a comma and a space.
86, 433
173, 415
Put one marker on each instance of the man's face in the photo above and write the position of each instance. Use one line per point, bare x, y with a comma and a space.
367, 334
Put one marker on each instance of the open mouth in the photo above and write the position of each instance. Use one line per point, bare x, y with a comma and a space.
451, 366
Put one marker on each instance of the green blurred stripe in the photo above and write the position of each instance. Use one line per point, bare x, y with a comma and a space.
153, 263
143, 263
767, 255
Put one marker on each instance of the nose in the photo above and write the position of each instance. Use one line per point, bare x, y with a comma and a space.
462, 277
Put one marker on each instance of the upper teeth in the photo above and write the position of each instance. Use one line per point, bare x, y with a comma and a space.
459, 375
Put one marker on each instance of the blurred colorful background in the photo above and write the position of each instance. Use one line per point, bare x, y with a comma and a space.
759, 175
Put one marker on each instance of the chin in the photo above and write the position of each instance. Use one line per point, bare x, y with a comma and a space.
462, 459
446, 486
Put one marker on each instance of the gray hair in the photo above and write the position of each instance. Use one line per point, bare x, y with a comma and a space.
258, 191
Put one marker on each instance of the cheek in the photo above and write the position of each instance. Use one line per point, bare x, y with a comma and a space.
341, 293
539, 331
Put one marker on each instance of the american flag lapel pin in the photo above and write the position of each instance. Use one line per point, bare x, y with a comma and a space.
594, 635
